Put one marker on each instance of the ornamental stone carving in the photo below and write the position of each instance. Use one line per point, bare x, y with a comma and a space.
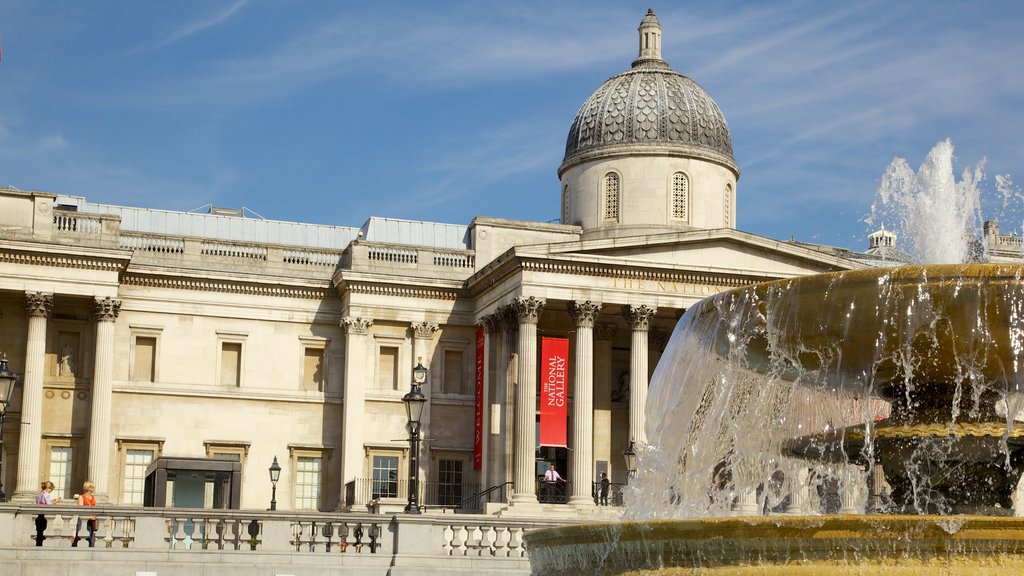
639, 317
356, 325
106, 309
38, 304
605, 331
424, 330
583, 313
508, 319
491, 323
528, 309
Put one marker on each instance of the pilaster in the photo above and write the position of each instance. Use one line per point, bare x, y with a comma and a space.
583, 314
105, 312
639, 319
528, 313
38, 306
353, 404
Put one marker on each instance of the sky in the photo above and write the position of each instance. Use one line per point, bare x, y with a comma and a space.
332, 112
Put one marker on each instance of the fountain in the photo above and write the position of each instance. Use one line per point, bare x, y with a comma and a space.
857, 422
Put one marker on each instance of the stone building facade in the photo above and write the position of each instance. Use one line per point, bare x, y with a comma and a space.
144, 334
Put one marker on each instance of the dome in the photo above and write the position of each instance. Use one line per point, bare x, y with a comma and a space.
649, 109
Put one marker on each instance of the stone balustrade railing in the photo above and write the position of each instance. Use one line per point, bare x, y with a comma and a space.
403, 259
187, 530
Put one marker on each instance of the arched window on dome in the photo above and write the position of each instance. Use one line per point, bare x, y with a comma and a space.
565, 204
680, 197
610, 212
727, 206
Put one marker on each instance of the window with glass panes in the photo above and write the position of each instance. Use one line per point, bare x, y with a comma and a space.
449, 482
60, 470
135, 464
307, 483
385, 477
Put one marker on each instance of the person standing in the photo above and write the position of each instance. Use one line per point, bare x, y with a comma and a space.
605, 485
45, 497
551, 480
86, 498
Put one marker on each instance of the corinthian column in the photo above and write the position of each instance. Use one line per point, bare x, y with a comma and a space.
528, 312
639, 318
583, 313
356, 331
38, 306
423, 346
105, 311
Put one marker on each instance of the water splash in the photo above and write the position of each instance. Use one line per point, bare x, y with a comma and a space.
938, 216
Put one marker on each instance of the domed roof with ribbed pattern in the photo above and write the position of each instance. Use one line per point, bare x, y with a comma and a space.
650, 106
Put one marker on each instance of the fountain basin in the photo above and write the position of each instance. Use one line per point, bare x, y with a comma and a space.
901, 545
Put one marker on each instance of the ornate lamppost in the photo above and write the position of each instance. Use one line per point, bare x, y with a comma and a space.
629, 455
275, 475
7, 380
415, 402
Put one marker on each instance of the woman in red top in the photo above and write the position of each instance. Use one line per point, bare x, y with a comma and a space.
87, 498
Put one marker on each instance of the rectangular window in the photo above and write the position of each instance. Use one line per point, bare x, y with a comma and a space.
230, 363
307, 483
313, 369
385, 477
61, 462
449, 482
454, 372
144, 361
387, 368
135, 464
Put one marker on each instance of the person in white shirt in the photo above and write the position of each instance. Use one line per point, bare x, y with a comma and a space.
551, 479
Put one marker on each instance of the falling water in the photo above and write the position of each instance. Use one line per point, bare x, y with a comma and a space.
779, 398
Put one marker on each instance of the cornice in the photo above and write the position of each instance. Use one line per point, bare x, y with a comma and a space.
517, 262
63, 260
227, 286
401, 291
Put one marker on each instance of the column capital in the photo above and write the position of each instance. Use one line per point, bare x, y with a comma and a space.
491, 323
38, 304
356, 325
424, 330
528, 309
639, 317
507, 319
605, 331
583, 313
106, 309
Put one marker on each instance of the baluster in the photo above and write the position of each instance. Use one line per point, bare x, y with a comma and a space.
358, 533
343, 538
236, 535
448, 535
516, 547
174, 533
487, 541
327, 530
127, 534
105, 525
220, 529
297, 535
374, 535
459, 541
475, 538
189, 528
253, 530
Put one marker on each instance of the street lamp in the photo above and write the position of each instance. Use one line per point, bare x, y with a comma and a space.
415, 402
7, 380
275, 475
629, 454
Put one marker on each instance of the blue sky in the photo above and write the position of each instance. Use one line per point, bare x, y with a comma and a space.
330, 112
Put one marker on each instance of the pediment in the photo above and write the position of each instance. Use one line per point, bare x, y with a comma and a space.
723, 250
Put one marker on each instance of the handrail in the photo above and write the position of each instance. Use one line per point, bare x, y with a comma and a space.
475, 498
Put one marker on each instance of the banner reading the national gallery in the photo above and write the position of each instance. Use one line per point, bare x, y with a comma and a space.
478, 415
554, 368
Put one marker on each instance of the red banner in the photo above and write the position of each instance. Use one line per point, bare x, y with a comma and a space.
554, 369
478, 416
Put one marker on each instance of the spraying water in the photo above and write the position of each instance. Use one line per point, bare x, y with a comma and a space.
936, 214
880, 390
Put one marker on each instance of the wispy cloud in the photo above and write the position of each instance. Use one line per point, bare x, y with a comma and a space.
201, 24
